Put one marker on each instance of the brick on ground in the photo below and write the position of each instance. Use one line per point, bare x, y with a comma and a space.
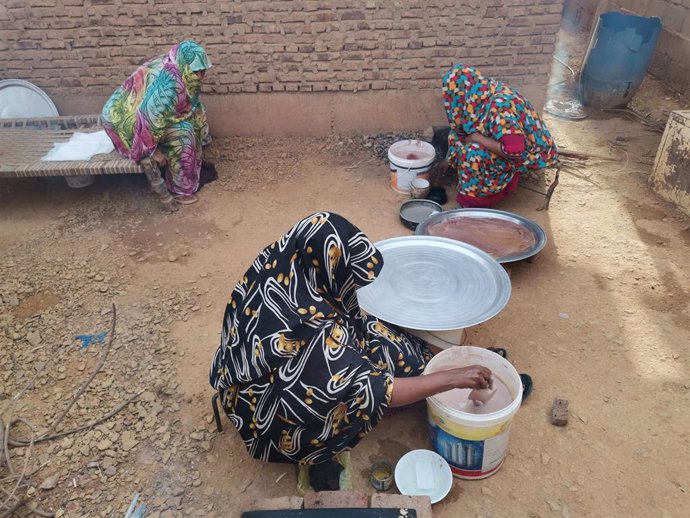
421, 504
275, 504
336, 500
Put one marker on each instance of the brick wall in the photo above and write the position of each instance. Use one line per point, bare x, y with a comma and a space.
83, 49
671, 61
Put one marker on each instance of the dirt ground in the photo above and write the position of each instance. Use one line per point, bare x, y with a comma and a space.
600, 318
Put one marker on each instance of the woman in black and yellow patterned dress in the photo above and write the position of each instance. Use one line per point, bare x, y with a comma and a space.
302, 374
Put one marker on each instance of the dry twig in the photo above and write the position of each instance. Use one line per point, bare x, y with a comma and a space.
95, 422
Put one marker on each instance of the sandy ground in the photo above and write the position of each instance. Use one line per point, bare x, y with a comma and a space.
600, 318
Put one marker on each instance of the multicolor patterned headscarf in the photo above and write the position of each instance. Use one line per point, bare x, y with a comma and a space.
301, 374
159, 94
189, 57
478, 104
295, 292
467, 98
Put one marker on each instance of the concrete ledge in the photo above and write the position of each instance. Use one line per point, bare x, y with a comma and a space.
313, 113
336, 500
275, 504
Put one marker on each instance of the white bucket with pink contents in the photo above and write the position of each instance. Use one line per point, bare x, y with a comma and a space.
473, 439
409, 159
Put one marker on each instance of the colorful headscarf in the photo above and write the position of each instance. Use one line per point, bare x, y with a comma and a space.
190, 57
478, 104
299, 293
467, 98
160, 93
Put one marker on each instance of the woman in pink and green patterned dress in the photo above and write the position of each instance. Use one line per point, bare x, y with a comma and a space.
157, 113
495, 136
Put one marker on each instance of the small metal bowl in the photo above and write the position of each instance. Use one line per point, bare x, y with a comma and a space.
413, 212
381, 476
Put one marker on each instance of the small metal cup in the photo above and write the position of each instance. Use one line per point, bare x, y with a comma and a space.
419, 188
381, 475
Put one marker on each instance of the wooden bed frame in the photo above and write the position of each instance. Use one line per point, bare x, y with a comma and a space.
23, 142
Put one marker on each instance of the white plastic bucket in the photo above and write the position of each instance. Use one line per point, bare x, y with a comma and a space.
79, 182
441, 339
474, 445
409, 159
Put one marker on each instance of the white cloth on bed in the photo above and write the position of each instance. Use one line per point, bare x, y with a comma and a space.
82, 146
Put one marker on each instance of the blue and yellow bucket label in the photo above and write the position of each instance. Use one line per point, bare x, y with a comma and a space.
472, 452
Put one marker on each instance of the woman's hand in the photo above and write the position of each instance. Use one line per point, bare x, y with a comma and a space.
443, 167
473, 137
472, 377
159, 157
491, 144
410, 390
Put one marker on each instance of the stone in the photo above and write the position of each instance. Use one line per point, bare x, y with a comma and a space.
34, 338
554, 506
421, 504
103, 445
559, 412
129, 440
336, 500
174, 501
275, 504
50, 482
545, 458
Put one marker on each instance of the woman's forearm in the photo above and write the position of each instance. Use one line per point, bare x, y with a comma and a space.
410, 390
492, 145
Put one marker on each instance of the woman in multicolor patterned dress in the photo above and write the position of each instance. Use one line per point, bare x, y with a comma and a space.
495, 136
157, 113
302, 374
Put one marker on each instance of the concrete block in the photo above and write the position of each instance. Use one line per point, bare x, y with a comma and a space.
421, 504
671, 175
336, 500
275, 504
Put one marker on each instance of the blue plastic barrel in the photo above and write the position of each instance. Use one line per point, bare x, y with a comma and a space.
617, 59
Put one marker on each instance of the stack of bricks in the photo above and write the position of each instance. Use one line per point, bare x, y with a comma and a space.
344, 500
87, 47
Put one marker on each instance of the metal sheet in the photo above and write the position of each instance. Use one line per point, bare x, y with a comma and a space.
531, 226
435, 284
20, 99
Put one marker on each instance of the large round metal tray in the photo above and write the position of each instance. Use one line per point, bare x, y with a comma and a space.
435, 284
528, 224
21, 99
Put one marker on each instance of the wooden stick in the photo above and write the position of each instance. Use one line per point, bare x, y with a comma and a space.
584, 156
96, 422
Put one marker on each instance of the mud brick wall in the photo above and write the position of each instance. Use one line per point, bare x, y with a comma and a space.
268, 54
671, 61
